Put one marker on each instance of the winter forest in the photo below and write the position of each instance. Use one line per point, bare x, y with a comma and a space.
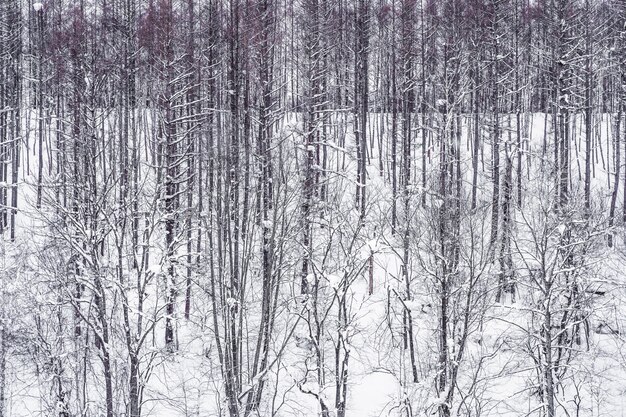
301, 208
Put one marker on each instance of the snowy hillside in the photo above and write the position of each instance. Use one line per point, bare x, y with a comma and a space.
334, 208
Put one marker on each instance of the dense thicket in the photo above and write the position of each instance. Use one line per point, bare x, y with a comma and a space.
201, 200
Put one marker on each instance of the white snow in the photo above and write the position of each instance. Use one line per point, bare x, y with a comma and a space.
333, 280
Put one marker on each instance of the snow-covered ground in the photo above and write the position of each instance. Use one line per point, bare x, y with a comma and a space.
497, 375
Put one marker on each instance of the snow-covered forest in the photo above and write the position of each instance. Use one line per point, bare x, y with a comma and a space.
296, 208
